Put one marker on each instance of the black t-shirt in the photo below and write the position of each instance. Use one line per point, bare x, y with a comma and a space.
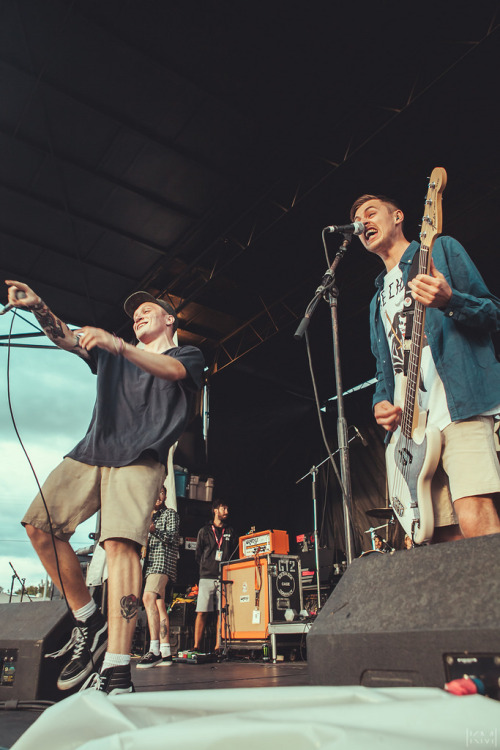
135, 411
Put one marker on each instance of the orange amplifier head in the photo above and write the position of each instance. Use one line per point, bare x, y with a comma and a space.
264, 543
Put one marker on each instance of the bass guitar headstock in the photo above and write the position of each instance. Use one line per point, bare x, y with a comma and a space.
432, 221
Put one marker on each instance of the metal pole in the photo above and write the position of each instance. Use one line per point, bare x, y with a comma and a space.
314, 472
343, 442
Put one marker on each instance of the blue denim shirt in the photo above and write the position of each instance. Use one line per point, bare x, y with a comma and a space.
459, 335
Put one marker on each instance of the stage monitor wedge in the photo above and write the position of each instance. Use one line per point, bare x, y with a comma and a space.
418, 617
29, 631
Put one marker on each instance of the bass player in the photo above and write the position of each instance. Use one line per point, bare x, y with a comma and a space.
460, 375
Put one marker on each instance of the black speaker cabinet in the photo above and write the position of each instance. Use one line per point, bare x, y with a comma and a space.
181, 638
419, 617
29, 631
183, 613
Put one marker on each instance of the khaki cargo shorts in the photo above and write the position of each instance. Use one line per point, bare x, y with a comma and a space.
468, 466
75, 491
156, 583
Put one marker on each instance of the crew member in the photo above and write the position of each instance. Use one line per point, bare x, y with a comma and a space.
214, 545
407, 542
381, 545
460, 373
142, 405
160, 570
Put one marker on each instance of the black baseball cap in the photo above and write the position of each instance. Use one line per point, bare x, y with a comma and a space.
137, 298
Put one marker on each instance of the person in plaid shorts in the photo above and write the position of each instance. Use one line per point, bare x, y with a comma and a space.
160, 569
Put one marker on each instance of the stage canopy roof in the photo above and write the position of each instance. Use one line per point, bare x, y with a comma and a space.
197, 149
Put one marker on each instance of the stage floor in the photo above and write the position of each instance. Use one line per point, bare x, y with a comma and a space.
227, 674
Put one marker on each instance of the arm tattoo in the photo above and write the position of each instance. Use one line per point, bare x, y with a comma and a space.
53, 328
51, 325
128, 607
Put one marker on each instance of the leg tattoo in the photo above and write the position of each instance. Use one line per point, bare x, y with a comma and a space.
129, 606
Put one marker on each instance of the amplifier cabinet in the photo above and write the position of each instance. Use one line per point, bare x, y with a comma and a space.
258, 591
264, 543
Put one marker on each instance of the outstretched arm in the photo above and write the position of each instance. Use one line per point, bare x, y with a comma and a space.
84, 339
54, 328
160, 365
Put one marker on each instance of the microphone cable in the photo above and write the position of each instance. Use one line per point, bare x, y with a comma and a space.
52, 535
318, 410
14, 424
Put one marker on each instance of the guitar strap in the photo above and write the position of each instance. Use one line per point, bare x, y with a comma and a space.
409, 310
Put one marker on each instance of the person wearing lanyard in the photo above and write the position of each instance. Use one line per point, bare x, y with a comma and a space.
214, 545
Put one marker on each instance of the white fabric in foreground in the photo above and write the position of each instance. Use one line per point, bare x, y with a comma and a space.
271, 718
97, 572
171, 501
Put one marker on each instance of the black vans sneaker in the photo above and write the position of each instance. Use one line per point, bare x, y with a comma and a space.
112, 681
88, 642
149, 660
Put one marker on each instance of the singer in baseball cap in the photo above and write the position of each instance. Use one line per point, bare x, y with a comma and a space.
138, 298
143, 404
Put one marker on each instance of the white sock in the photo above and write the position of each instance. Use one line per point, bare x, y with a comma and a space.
115, 660
154, 647
165, 649
85, 612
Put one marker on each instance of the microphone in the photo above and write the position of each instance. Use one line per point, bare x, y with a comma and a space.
363, 440
357, 227
19, 295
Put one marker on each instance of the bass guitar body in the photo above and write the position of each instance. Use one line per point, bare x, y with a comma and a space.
411, 463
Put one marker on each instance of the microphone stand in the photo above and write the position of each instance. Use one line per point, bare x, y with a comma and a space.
329, 291
313, 473
22, 581
224, 605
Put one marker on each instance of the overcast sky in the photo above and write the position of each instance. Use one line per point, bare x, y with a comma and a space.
52, 395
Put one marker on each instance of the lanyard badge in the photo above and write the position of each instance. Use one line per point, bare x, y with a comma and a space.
218, 552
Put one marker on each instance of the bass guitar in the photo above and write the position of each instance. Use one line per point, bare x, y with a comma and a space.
415, 447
